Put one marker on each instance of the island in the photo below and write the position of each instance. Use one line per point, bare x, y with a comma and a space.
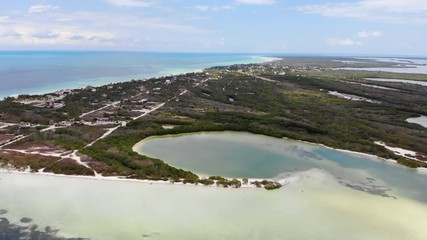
92, 131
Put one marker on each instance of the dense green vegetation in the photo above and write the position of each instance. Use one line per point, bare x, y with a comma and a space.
300, 108
293, 105
269, 185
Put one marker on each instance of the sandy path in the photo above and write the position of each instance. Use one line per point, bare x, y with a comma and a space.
401, 152
99, 109
18, 138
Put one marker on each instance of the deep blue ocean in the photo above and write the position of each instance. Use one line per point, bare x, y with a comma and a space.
43, 72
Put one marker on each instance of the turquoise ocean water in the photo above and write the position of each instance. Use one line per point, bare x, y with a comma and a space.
42, 72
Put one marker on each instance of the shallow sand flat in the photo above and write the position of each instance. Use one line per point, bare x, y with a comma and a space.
330, 195
314, 207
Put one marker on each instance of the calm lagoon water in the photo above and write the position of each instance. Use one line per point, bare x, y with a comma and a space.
241, 155
333, 196
422, 83
42, 72
407, 65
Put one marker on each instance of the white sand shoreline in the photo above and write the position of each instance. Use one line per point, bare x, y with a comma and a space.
99, 177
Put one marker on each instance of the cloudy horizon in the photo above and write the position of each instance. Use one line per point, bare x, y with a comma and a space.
387, 27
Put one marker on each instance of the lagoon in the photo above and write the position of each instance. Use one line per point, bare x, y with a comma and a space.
422, 83
330, 195
404, 65
239, 155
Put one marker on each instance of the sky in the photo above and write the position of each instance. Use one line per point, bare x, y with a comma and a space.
252, 26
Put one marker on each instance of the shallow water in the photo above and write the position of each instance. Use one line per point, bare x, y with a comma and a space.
422, 83
313, 207
239, 155
29, 72
406, 65
321, 200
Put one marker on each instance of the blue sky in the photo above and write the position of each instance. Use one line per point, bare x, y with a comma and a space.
286, 26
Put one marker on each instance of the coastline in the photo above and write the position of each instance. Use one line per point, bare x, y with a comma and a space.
283, 181
101, 81
266, 59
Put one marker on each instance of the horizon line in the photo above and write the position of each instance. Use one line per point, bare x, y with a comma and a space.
269, 54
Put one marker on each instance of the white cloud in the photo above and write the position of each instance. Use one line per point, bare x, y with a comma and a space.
59, 36
213, 8
220, 8
42, 8
101, 29
172, 27
132, 3
46, 35
258, 2
64, 19
118, 22
6, 32
353, 42
30, 31
365, 34
4, 19
134, 23
384, 10
343, 42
